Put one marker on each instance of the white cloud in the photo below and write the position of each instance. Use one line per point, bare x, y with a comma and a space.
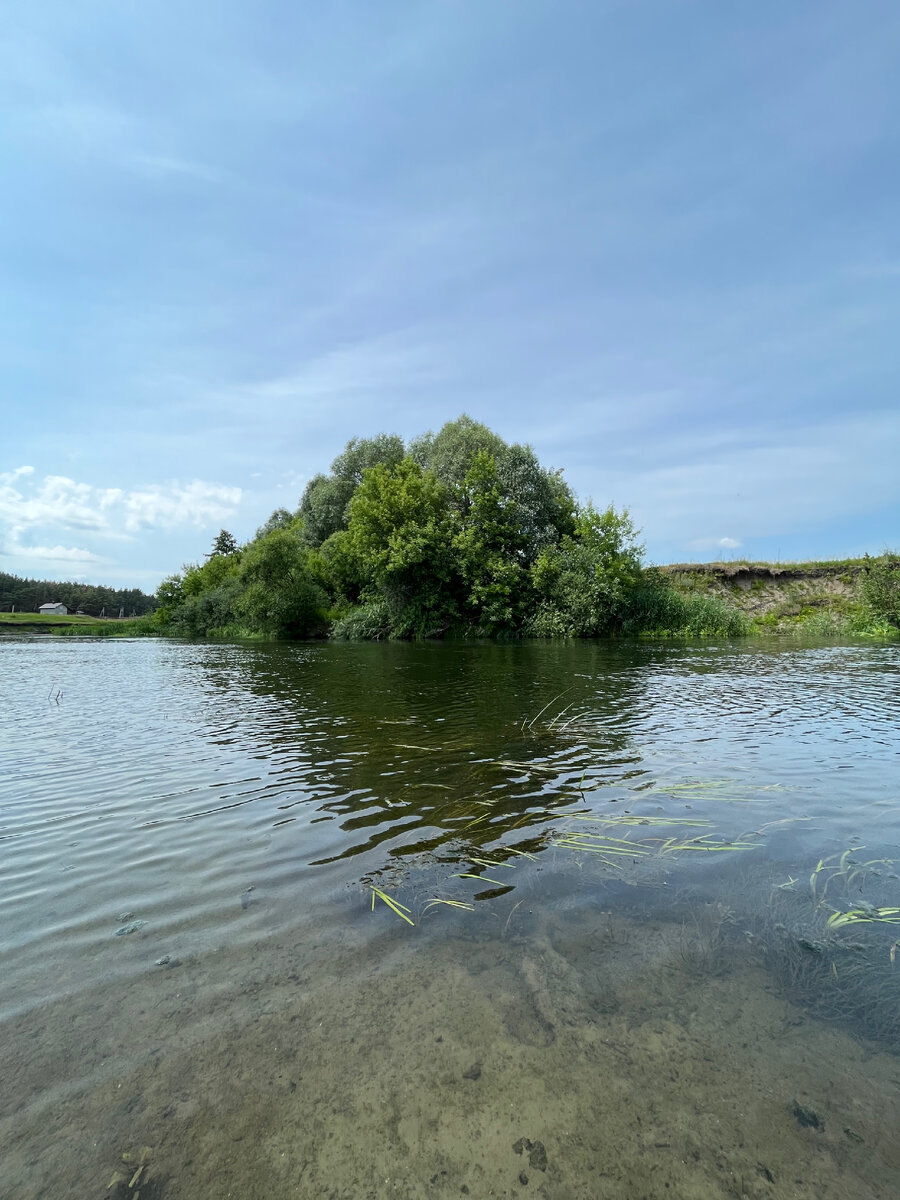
714, 543
56, 503
195, 503
52, 554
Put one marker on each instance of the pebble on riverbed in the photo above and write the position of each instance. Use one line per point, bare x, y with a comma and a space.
537, 1153
131, 927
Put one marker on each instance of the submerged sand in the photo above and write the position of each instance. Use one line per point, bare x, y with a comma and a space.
571, 1054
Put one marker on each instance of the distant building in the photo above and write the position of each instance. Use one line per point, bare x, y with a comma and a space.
53, 609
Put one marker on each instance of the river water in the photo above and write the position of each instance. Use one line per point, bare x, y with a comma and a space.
564, 920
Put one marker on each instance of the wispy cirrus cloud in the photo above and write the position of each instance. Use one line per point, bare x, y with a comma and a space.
748, 479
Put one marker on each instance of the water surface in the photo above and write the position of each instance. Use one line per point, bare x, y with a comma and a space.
618, 861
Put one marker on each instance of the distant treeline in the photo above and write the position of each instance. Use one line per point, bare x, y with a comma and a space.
27, 595
457, 533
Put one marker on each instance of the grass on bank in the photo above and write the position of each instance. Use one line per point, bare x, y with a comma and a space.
823, 598
748, 564
51, 620
136, 627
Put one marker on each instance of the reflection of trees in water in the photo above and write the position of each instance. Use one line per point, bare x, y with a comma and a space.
428, 747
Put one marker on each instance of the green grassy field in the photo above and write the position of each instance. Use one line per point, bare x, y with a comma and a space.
73, 626
42, 619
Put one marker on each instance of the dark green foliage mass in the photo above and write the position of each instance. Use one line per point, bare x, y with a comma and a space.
880, 587
224, 543
458, 534
266, 588
27, 595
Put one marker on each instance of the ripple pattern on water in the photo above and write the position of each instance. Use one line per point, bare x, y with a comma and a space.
165, 780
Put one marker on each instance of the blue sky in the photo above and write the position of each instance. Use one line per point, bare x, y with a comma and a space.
657, 239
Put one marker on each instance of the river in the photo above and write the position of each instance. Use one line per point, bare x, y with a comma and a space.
385, 920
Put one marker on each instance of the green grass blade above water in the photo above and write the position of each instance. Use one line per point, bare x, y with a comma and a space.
400, 909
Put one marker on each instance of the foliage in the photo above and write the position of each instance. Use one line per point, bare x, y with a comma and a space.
464, 534
280, 519
450, 453
400, 533
880, 587
488, 547
145, 626
586, 581
266, 588
279, 595
224, 543
655, 609
369, 622
27, 595
323, 506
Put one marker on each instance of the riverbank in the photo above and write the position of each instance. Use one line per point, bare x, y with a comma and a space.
72, 625
814, 597
48, 622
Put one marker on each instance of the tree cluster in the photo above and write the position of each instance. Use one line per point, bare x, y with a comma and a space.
27, 595
457, 533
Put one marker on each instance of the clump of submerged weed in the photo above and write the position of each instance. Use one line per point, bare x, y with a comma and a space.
832, 950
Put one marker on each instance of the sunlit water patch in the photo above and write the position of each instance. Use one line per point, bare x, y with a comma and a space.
402, 920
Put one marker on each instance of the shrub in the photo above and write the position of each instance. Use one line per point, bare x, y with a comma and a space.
880, 587
657, 610
369, 622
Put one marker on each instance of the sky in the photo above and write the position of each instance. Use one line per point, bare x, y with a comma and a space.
658, 240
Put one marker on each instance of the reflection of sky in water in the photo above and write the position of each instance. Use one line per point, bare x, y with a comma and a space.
170, 778
633, 990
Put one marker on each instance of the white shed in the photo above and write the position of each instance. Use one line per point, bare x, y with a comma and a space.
53, 609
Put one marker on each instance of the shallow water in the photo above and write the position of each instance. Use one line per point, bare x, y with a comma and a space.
666, 1013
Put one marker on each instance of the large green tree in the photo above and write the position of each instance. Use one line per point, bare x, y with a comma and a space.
324, 504
400, 532
489, 548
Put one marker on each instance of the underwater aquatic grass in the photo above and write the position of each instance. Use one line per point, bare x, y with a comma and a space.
628, 819
804, 941
846, 871
712, 789
480, 878
863, 913
705, 842
449, 903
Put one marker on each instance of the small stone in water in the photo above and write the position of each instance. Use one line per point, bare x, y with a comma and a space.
537, 1157
132, 927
